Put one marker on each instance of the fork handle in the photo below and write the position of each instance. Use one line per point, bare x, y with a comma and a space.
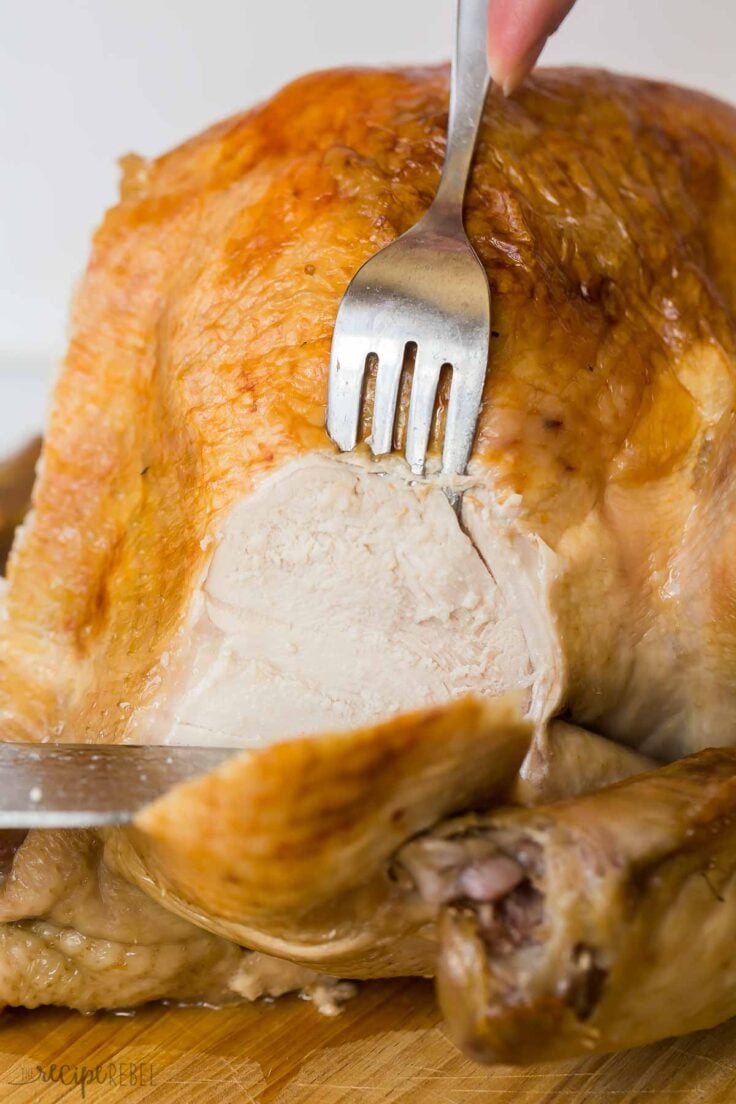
468, 87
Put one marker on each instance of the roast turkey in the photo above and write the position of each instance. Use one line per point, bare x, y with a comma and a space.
202, 566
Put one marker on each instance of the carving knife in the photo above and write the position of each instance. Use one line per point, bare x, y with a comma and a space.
91, 785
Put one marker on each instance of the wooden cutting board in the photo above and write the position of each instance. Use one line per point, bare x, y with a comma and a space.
387, 1047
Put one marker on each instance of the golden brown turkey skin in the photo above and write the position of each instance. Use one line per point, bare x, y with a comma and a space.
593, 924
288, 850
604, 211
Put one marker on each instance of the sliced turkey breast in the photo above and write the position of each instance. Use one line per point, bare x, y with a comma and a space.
337, 594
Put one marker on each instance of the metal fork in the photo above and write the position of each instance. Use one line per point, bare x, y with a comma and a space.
426, 289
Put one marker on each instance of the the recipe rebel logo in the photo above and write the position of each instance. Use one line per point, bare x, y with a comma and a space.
108, 1074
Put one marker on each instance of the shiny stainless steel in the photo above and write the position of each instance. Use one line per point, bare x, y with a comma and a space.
90, 785
427, 293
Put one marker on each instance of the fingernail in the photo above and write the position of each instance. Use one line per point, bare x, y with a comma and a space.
510, 78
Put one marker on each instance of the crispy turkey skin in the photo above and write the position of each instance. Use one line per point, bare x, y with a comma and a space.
200, 566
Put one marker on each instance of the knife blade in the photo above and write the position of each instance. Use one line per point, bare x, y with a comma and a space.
91, 785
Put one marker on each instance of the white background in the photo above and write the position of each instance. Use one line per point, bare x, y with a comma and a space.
83, 81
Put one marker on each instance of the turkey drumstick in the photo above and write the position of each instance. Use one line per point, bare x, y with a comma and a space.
592, 924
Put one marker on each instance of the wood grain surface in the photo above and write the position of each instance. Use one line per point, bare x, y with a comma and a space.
387, 1047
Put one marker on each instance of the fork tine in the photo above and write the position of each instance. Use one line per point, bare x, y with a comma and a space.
466, 392
344, 396
390, 362
421, 409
